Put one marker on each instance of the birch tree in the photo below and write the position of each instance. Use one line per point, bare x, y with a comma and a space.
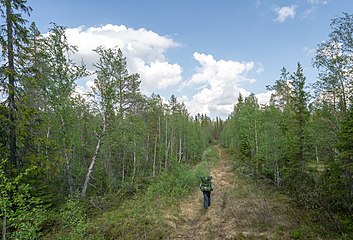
114, 93
58, 87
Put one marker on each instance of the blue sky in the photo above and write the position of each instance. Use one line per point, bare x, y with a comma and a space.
203, 51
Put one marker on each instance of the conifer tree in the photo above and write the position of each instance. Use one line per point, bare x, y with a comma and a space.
299, 100
14, 41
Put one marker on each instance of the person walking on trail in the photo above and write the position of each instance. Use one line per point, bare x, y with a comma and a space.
206, 187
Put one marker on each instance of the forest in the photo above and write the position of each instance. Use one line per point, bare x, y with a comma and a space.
67, 157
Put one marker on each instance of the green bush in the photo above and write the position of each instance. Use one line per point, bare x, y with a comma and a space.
143, 217
71, 220
22, 213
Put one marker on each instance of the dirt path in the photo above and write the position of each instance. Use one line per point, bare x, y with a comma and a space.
239, 210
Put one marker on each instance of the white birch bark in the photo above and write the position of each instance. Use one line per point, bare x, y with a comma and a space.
93, 160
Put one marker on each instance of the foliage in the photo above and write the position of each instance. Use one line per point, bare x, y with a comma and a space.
141, 216
72, 219
297, 147
22, 213
118, 141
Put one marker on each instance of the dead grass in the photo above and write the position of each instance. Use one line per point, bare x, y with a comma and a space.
240, 209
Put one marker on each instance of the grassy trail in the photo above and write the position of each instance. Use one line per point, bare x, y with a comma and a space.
172, 208
240, 209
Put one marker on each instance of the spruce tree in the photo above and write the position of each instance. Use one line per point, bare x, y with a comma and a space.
14, 41
299, 99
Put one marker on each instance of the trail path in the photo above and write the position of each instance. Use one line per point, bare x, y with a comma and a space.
239, 210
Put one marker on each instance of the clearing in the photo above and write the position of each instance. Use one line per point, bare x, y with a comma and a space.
241, 208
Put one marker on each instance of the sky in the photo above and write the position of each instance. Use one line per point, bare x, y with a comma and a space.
205, 52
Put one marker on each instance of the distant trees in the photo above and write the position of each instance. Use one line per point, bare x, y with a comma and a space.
271, 138
301, 142
55, 143
335, 61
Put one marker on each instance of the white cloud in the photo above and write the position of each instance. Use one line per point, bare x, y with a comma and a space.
285, 12
309, 11
144, 50
220, 83
313, 7
215, 85
323, 2
259, 68
218, 72
160, 75
264, 98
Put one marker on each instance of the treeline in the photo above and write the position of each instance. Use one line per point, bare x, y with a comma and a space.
303, 140
55, 143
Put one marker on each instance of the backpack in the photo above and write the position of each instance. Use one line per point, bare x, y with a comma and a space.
206, 183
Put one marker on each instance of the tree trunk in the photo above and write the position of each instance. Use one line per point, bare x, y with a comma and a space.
343, 96
134, 163
68, 173
11, 86
148, 147
334, 102
277, 174
160, 139
4, 226
154, 156
316, 154
166, 145
67, 159
91, 166
256, 140
123, 166
46, 146
109, 170
180, 152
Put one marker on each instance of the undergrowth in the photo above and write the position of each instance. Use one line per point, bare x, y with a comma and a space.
304, 223
140, 217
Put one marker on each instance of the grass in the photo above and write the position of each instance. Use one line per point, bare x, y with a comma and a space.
261, 205
142, 217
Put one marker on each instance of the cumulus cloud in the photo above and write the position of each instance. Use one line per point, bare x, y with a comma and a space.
212, 89
218, 84
218, 72
159, 74
264, 98
144, 50
285, 12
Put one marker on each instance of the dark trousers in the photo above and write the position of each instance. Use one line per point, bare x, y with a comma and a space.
206, 199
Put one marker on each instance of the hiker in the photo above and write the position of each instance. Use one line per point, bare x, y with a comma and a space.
206, 188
